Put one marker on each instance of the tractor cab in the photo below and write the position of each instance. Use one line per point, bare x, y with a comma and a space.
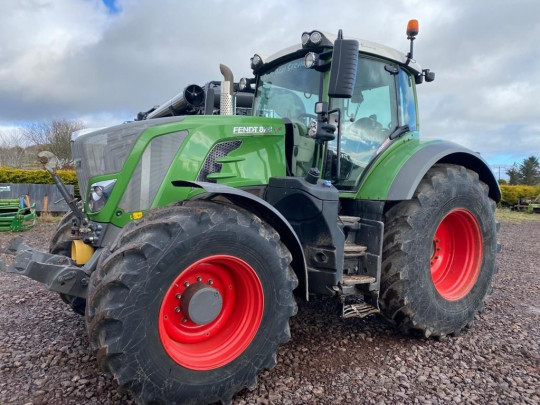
375, 105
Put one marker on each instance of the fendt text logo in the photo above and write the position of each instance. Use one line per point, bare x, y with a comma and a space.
253, 130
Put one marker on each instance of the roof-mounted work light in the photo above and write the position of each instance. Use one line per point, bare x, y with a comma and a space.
311, 60
315, 39
256, 61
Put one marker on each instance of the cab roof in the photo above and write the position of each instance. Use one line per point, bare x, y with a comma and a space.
365, 46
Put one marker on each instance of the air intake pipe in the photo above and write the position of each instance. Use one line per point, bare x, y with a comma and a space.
181, 104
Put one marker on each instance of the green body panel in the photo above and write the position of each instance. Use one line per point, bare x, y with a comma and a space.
260, 156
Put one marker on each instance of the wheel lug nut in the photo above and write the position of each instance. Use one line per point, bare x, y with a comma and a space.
178, 296
184, 320
177, 309
199, 279
210, 281
186, 284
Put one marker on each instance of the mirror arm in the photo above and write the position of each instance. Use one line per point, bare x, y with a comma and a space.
338, 150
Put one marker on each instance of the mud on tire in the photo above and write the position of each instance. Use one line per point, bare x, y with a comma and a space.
439, 253
131, 303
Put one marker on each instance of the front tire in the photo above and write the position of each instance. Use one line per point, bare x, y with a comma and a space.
152, 316
439, 253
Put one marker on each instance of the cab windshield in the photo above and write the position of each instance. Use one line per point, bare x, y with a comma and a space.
287, 91
376, 109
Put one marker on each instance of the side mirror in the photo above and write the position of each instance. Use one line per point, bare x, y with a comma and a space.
430, 76
344, 65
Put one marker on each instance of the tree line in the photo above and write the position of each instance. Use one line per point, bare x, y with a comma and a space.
526, 173
20, 146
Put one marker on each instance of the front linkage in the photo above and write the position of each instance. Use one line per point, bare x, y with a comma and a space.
67, 274
58, 273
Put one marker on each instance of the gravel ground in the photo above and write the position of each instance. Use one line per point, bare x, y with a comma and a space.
45, 357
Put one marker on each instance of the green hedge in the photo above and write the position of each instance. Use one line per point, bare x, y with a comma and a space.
511, 194
20, 176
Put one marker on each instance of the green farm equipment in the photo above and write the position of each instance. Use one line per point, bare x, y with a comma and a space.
16, 214
534, 206
197, 233
530, 205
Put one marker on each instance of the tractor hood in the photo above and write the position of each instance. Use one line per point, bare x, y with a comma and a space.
127, 169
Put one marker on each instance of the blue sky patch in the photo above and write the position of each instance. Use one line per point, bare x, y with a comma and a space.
111, 6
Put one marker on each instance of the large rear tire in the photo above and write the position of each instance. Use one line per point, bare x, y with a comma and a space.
61, 245
439, 253
191, 303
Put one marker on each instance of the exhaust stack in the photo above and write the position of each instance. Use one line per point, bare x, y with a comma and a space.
227, 101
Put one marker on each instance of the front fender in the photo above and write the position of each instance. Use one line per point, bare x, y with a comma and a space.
265, 211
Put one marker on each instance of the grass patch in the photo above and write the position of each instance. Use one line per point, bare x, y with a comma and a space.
507, 215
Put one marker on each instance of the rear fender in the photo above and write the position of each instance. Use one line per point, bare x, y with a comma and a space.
407, 179
264, 210
396, 173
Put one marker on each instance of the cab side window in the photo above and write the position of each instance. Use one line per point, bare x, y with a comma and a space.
407, 104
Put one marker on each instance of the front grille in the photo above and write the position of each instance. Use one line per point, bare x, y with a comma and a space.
150, 172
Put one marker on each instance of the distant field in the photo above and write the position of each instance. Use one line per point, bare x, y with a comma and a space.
507, 215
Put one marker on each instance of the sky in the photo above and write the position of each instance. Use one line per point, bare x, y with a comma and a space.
102, 61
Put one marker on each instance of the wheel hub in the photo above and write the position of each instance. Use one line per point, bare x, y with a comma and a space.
456, 254
201, 303
211, 312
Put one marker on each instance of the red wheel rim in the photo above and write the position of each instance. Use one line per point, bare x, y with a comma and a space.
214, 344
457, 255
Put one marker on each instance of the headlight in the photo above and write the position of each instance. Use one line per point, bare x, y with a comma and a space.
99, 194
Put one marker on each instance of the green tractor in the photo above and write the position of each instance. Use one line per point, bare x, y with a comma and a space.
196, 234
